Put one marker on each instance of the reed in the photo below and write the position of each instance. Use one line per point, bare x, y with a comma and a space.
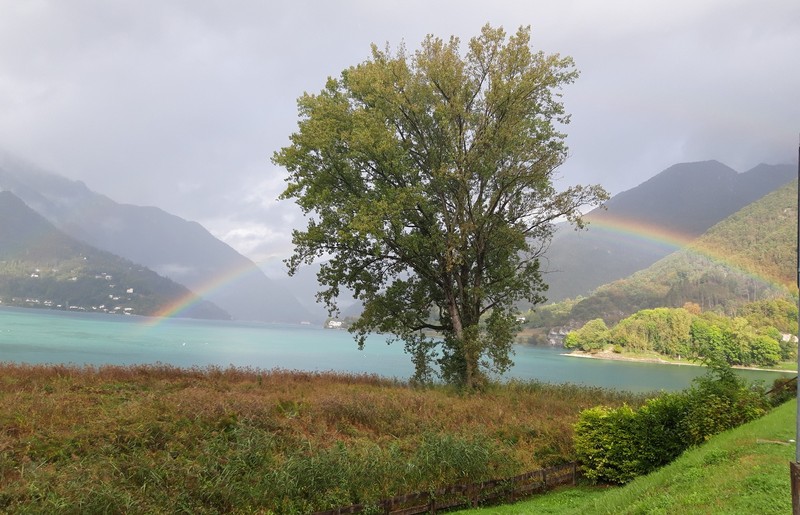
158, 438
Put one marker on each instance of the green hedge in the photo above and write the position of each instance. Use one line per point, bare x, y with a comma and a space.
616, 445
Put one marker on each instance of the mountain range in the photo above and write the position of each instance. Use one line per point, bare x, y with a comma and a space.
40, 266
749, 256
644, 224
637, 228
181, 250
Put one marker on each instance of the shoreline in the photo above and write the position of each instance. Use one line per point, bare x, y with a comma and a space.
613, 356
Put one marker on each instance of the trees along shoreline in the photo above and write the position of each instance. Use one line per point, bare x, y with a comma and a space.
761, 336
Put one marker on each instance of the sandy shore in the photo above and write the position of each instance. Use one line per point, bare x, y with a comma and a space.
614, 356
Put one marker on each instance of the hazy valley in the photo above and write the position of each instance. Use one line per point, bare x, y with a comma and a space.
637, 228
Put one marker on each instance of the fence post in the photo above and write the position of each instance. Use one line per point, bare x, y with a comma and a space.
794, 473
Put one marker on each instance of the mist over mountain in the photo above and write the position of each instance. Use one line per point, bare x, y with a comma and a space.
684, 200
303, 284
746, 257
182, 250
40, 266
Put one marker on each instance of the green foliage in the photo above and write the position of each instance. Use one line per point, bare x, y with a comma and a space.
676, 332
780, 314
605, 444
735, 341
719, 401
662, 330
427, 178
764, 350
660, 439
592, 336
617, 445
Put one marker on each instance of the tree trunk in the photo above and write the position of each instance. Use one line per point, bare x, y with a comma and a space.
458, 332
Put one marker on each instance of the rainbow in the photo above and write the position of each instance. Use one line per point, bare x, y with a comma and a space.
198, 294
674, 240
619, 226
643, 231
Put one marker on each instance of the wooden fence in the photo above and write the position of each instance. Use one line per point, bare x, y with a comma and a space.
469, 495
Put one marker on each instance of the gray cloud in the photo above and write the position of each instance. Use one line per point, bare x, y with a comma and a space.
181, 104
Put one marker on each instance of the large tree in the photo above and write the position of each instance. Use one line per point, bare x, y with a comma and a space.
427, 181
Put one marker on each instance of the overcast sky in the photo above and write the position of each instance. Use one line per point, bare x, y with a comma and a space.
180, 104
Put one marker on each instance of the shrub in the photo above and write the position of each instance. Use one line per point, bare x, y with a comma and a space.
720, 400
605, 444
616, 445
660, 437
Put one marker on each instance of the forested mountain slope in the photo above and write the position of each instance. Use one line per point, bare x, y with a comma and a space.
176, 248
41, 266
748, 256
640, 225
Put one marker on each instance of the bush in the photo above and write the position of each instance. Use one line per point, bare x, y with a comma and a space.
718, 401
616, 445
660, 436
605, 444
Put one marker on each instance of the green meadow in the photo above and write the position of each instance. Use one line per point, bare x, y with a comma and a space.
742, 471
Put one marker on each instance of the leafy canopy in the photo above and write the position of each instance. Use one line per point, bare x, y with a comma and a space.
426, 178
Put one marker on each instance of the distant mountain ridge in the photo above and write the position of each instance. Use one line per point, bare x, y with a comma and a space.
749, 256
685, 199
181, 250
40, 266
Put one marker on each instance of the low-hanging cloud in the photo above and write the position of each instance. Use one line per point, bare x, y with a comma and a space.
181, 104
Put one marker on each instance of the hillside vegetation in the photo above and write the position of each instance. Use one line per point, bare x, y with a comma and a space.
746, 257
686, 199
754, 338
42, 267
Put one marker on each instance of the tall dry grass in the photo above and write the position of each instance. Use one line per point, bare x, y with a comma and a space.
164, 439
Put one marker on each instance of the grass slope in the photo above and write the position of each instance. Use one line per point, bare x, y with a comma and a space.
745, 470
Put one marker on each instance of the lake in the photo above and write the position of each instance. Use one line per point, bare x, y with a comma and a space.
41, 336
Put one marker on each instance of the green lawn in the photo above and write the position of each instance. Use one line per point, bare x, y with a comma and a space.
745, 470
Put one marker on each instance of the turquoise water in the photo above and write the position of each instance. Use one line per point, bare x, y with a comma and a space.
39, 336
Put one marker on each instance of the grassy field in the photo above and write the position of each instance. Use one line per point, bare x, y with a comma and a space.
745, 470
160, 439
